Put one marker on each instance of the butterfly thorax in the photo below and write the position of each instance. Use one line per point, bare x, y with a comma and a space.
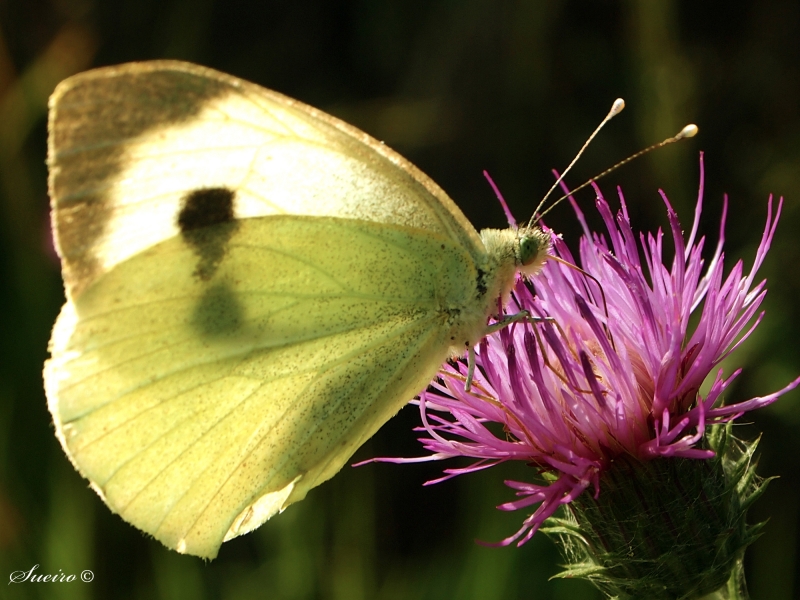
508, 252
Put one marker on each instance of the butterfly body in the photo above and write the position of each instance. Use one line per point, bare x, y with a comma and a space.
253, 288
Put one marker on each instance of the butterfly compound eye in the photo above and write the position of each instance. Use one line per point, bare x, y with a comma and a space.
532, 246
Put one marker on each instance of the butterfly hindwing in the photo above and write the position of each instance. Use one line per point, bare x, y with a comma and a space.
201, 391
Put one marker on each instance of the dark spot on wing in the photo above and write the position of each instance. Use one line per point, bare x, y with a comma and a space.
218, 313
206, 221
205, 207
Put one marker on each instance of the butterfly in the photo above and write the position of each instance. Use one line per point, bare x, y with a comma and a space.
253, 287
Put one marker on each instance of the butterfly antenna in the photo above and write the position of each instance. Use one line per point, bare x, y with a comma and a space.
616, 108
687, 132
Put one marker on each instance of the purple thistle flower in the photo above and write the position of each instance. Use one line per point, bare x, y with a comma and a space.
610, 368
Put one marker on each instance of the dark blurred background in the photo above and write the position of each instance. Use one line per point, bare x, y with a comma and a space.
456, 86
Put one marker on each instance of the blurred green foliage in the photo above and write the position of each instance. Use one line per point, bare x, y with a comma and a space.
457, 86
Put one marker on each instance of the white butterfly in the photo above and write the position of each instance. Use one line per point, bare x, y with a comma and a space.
253, 288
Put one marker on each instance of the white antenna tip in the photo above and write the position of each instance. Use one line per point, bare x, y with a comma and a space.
687, 132
617, 107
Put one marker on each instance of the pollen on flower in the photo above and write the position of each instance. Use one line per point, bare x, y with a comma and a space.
609, 367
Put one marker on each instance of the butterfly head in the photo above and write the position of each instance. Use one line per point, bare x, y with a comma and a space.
510, 251
532, 249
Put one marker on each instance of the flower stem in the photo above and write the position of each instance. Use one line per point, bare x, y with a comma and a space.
735, 588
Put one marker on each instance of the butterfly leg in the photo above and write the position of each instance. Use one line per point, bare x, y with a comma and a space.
507, 320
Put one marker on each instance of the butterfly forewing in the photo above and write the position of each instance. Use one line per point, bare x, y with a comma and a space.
128, 143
